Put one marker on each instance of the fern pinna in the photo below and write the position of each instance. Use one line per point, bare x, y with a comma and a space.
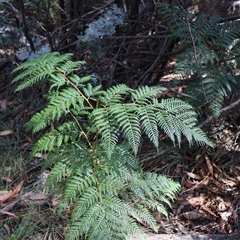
100, 176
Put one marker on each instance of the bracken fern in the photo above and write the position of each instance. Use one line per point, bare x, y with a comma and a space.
93, 146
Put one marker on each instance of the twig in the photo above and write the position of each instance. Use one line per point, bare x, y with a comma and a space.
222, 112
25, 27
158, 154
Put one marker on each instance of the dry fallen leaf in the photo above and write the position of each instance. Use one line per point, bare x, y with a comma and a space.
222, 207
157, 216
9, 214
7, 228
6, 132
4, 197
182, 228
229, 182
7, 179
193, 175
196, 201
38, 196
189, 184
29, 139
3, 103
225, 215
209, 165
192, 215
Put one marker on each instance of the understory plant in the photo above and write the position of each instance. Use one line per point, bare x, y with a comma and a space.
93, 143
210, 56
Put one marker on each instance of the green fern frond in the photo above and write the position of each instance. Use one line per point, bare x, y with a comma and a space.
65, 161
77, 184
44, 67
107, 214
102, 198
100, 178
212, 45
107, 129
114, 95
128, 122
60, 104
92, 92
143, 95
162, 185
67, 132
148, 120
177, 118
58, 174
141, 212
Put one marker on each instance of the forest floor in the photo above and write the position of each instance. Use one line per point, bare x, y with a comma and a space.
208, 203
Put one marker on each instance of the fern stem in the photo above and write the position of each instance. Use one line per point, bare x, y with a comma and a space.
95, 164
80, 93
81, 129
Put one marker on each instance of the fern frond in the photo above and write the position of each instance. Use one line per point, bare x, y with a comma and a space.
149, 124
143, 95
101, 179
128, 122
65, 160
78, 183
58, 173
81, 227
107, 214
106, 128
177, 118
44, 67
141, 212
67, 132
114, 95
60, 104
160, 182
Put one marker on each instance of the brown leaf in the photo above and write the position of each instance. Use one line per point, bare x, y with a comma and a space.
199, 185
189, 184
6, 132
157, 216
196, 201
52, 126
193, 175
7, 179
7, 228
19, 187
29, 139
222, 207
9, 214
3, 103
9, 194
6, 196
229, 182
38, 196
55, 202
182, 228
192, 215
224, 227
210, 167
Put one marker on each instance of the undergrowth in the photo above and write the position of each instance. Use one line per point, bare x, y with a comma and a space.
210, 56
92, 138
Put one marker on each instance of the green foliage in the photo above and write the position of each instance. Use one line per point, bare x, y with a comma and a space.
211, 55
93, 148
